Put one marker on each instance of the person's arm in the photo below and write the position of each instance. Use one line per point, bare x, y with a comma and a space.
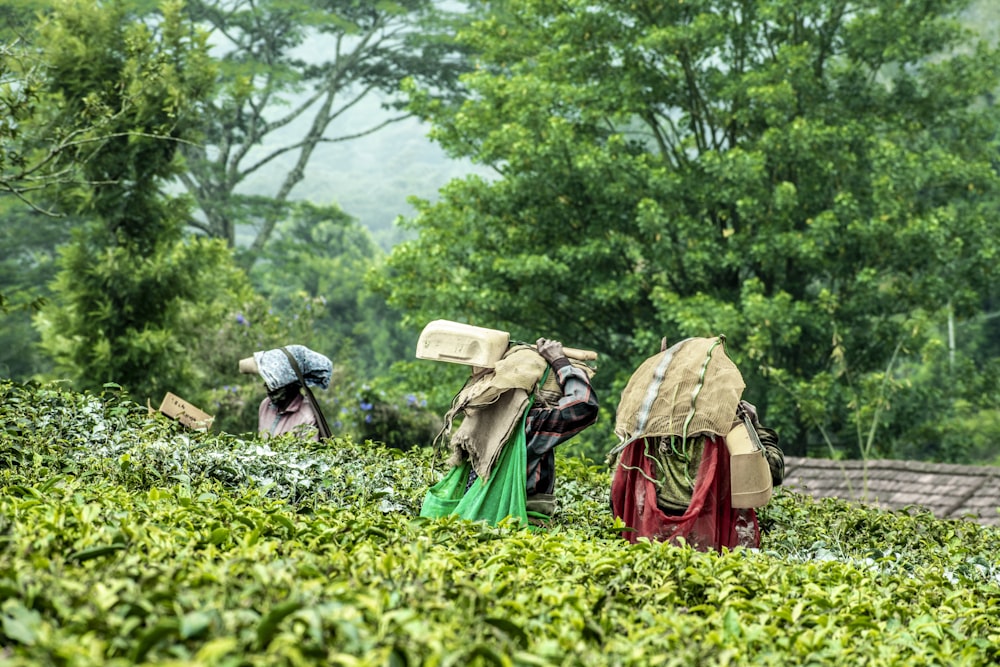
769, 438
772, 452
577, 409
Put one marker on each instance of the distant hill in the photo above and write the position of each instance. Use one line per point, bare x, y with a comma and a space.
372, 177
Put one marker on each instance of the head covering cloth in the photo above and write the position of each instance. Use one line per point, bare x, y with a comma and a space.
273, 366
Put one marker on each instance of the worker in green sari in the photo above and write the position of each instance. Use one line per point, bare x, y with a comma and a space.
516, 414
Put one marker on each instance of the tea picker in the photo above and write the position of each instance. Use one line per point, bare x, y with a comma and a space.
519, 403
693, 460
289, 373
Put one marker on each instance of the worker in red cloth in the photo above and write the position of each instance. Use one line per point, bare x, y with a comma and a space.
672, 477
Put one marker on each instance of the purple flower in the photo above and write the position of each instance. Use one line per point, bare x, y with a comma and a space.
241, 320
366, 406
368, 419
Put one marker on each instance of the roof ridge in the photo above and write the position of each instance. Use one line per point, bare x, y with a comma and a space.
984, 470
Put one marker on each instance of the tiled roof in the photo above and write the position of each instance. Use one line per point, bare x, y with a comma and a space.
948, 491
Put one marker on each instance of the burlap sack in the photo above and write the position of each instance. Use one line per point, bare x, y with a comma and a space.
689, 389
520, 368
492, 406
750, 481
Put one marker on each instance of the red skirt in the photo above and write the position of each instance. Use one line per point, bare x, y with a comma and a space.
710, 521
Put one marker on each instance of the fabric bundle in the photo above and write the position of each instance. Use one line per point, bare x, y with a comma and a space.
493, 403
710, 521
688, 389
274, 367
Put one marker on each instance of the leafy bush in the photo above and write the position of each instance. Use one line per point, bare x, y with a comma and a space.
402, 423
125, 539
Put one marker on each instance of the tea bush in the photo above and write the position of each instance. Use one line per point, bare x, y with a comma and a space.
125, 539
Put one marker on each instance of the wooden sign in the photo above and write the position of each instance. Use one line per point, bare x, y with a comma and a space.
177, 408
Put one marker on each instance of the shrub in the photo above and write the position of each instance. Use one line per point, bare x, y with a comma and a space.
127, 539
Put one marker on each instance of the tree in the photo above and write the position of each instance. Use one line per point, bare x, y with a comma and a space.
289, 73
30, 164
321, 255
20, 175
28, 242
812, 179
127, 274
23, 171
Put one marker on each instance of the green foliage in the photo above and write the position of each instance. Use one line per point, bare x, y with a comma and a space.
402, 422
116, 317
123, 280
323, 255
960, 389
22, 170
28, 242
147, 80
817, 185
17, 17
125, 539
41, 156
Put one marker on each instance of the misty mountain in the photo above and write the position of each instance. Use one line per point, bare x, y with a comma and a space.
371, 177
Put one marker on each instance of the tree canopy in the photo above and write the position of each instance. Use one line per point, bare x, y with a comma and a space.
322, 255
814, 180
127, 273
289, 72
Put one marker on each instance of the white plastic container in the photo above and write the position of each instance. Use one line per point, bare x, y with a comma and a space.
457, 343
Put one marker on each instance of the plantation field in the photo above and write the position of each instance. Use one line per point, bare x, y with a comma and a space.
126, 539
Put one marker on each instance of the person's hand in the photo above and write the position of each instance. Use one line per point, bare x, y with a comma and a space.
549, 349
749, 409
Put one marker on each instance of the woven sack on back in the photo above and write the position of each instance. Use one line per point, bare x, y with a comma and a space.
520, 368
689, 389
